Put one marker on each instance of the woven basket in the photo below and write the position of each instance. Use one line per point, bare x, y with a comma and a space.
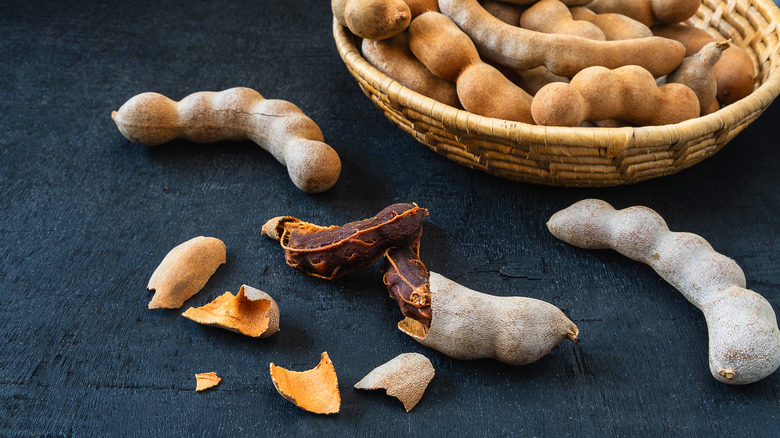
591, 157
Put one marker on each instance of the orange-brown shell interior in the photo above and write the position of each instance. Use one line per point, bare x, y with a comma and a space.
315, 390
234, 312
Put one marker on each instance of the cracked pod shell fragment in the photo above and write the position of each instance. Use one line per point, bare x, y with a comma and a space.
204, 381
404, 377
185, 270
251, 312
315, 390
466, 324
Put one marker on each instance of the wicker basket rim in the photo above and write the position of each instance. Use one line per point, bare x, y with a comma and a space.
472, 123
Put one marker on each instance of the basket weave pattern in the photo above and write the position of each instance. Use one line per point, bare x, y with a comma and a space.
593, 157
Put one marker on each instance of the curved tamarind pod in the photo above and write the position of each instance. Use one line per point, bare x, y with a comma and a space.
614, 26
506, 12
733, 72
466, 324
236, 114
744, 341
331, 252
627, 94
552, 16
563, 55
449, 54
648, 12
393, 57
696, 72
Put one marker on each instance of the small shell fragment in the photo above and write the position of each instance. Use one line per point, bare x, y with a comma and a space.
404, 377
251, 312
185, 270
206, 381
315, 390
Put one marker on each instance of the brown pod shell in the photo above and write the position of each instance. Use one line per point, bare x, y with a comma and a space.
251, 312
315, 390
466, 324
404, 377
185, 270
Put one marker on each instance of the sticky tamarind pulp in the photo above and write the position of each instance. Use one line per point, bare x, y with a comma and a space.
406, 279
331, 252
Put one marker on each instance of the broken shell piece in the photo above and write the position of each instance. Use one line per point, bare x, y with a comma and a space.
251, 312
185, 270
404, 377
206, 381
466, 324
275, 226
315, 390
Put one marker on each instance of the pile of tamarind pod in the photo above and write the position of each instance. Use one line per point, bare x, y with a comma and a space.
554, 62
438, 312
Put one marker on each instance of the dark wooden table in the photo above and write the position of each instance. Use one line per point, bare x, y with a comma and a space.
86, 216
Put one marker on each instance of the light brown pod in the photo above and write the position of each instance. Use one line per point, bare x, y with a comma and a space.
204, 381
251, 312
552, 16
696, 73
744, 340
649, 12
614, 26
236, 114
392, 57
563, 55
404, 377
185, 270
315, 390
467, 324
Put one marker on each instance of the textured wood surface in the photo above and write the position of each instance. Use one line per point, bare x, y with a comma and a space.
86, 216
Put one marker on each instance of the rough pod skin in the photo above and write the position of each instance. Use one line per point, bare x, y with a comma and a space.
696, 72
379, 19
184, 271
744, 341
467, 324
236, 114
552, 16
563, 55
404, 377
648, 12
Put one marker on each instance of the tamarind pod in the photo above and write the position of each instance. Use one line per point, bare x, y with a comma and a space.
331, 252
733, 72
695, 72
466, 324
379, 19
406, 278
451, 55
744, 340
627, 94
614, 26
566, 2
237, 114
552, 16
393, 57
563, 55
648, 12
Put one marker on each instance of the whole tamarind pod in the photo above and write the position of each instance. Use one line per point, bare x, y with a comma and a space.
506, 12
733, 72
696, 72
466, 324
563, 55
744, 340
236, 114
627, 94
648, 12
331, 252
379, 19
615, 26
449, 54
406, 278
552, 16
393, 57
